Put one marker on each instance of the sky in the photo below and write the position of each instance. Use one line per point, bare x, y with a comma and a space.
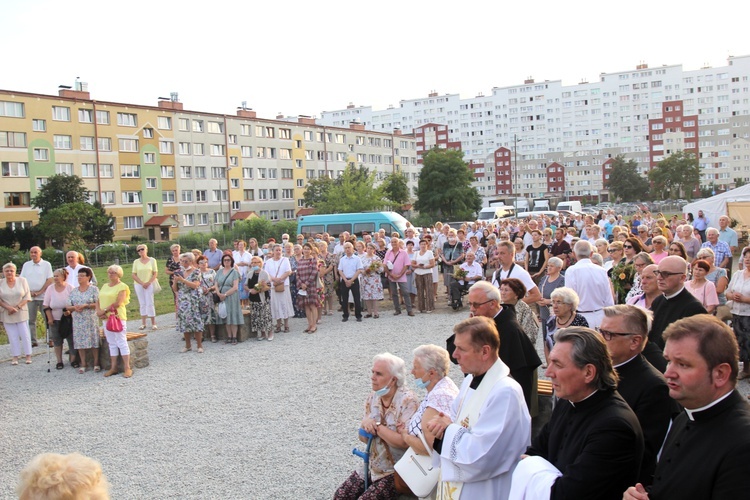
302, 57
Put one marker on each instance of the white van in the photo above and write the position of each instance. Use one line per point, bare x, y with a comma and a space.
496, 212
572, 206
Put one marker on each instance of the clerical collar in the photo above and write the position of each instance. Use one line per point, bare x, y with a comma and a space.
476, 381
709, 405
674, 294
626, 362
584, 399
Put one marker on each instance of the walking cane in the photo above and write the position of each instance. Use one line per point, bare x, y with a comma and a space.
48, 351
365, 455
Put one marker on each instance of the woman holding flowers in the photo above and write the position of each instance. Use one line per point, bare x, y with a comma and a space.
372, 286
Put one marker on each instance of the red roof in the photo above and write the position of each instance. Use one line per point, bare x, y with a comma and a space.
161, 220
305, 211
244, 215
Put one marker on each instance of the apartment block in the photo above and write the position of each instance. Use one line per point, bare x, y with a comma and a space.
163, 170
572, 132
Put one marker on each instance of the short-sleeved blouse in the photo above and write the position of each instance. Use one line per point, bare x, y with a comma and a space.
145, 271
440, 398
13, 295
108, 296
57, 300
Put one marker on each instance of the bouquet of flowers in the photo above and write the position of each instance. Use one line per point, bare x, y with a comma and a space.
459, 273
622, 280
374, 267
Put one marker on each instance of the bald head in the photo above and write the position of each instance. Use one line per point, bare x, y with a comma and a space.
672, 274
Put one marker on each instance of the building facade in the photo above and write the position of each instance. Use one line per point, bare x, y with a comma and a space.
572, 132
163, 170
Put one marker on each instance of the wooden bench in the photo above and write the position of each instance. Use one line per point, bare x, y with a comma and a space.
545, 406
544, 387
243, 333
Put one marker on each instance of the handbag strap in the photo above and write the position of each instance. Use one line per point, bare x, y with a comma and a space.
424, 443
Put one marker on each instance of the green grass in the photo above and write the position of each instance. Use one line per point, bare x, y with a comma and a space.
163, 301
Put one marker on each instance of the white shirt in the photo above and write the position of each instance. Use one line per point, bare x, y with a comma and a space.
517, 272
474, 269
36, 274
591, 283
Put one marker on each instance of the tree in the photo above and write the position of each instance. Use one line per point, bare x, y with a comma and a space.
58, 191
396, 190
676, 175
445, 186
739, 182
353, 191
77, 223
624, 180
317, 191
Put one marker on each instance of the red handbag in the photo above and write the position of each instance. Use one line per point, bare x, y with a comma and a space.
114, 323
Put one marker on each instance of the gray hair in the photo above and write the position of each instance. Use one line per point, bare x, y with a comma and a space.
188, 256
646, 258
10, 265
567, 295
589, 348
706, 252
396, 366
433, 357
582, 249
637, 320
490, 291
601, 241
712, 230
597, 259
176, 245
555, 261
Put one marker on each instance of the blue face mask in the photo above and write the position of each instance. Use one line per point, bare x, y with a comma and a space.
421, 384
265, 251
255, 268
382, 392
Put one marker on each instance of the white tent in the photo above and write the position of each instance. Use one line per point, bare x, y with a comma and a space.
735, 203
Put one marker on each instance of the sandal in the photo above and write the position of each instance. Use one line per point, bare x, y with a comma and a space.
313, 330
59, 366
82, 370
270, 337
277, 329
286, 329
228, 341
376, 315
97, 369
186, 349
142, 327
154, 327
75, 364
306, 330
213, 339
234, 341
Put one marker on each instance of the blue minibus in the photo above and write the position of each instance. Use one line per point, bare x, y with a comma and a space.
355, 223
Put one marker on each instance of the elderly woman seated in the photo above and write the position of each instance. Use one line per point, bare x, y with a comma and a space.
564, 305
57, 477
512, 290
430, 369
389, 405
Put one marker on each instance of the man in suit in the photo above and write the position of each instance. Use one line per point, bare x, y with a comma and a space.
593, 438
707, 450
674, 303
625, 330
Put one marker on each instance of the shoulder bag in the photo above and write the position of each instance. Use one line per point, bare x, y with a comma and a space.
280, 287
65, 325
416, 473
155, 283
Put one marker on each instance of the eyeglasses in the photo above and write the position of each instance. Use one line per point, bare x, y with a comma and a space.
140, 250
613, 250
667, 274
608, 335
475, 305
627, 246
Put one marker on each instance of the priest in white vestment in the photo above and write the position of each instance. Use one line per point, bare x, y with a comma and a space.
480, 443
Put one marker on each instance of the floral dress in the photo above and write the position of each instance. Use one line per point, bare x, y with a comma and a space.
328, 279
371, 285
189, 317
206, 298
172, 265
307, 273
299, 312
85, 323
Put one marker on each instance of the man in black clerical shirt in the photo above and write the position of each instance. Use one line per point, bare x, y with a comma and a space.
674, 303
707, 450
593, 437
625, 330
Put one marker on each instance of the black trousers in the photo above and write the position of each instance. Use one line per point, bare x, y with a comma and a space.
344, 298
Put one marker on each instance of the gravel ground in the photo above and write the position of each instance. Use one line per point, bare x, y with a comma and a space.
260, 420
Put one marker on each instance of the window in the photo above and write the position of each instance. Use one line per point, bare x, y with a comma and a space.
132, 222
221, 218
285, 154
287, 194
127, 119
220, 195
88, 169
168, 196
249, 195
288, 214
187, 196
63, 142
164, 123
286, 173
64, 168
273, 194
274, 215
130, 171
41, 154
148, 133
263, 194
202, 219
131, 197
273, 173
197, 125
87, 143
149, 157
198, 149
12, 140
184, 148
152, 208
166, 147
108, 197
151, 182
102, 117
245, 129
247, 173
200, 195
200, 172
39, 125
188, 219
232, 138
235, 183
105, 144
128, 145
217, 150
41, 181
60, 114
15, 169
262, 173
167, 172
86, 116
300, 183
270, 132
17, 200
285, 133
233, 161
185, 172
247, 151
218, 172
215, 128
106, 170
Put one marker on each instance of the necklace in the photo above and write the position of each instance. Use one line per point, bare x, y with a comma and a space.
566, 321
386, 406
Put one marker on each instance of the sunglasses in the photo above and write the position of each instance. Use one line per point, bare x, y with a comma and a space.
627, 246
